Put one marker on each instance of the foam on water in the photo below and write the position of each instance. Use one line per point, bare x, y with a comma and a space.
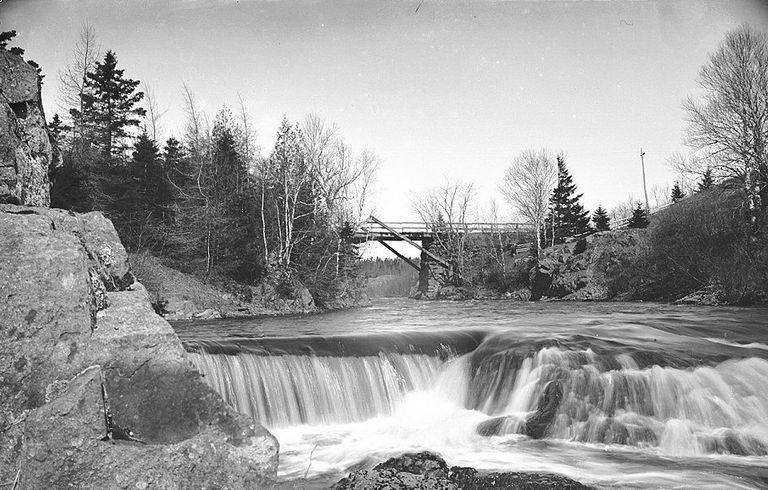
640, 408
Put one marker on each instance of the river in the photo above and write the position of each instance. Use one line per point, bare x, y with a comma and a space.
650, 395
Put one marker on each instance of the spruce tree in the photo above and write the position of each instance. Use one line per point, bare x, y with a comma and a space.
639, 218
706, 181
133, 190
677, 193
601, 220
110, 107
567, 217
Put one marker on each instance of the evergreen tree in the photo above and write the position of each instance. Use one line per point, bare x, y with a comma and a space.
677, 193
706, 180
178, 171
601, 220
110, 107
639, 218
58, 129
223, 213
134, 193
567, 217
5, 38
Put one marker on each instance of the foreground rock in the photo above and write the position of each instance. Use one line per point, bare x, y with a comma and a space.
96, 390
427, 470
26, 153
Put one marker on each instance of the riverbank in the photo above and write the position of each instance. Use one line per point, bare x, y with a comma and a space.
180, 296
701, 250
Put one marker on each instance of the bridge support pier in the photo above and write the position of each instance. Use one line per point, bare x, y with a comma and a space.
433, 274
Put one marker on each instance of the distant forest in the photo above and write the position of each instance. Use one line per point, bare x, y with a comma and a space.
388, 278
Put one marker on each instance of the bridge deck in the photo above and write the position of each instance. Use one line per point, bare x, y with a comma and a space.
375, 230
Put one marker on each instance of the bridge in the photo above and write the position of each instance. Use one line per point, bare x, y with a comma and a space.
374, 229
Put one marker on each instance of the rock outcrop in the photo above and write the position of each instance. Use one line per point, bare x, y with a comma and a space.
26, 152
581, 270
96, 390
427, 470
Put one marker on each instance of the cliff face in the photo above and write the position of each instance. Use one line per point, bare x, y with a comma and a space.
96, 390
26, 153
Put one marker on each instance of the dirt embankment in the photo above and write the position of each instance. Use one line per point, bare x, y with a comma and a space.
180, 296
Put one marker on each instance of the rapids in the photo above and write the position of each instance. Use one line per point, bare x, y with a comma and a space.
638, 395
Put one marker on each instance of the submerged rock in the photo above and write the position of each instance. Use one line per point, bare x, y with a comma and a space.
79, 361
427, 470
492, 427
710, 295
536, 425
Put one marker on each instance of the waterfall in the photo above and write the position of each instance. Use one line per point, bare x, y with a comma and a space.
609, 399
282, 390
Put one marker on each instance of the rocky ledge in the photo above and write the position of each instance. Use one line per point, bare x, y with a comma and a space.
427, 470
95, 388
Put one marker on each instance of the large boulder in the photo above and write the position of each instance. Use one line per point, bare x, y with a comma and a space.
66, 446
427, 470
68, 301
26, 153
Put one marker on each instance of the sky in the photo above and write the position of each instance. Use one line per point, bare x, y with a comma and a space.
439, 90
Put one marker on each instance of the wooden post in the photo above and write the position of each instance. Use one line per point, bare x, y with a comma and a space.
406, 259
406, 239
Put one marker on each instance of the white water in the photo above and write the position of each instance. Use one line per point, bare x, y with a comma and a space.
623, 421
290, 390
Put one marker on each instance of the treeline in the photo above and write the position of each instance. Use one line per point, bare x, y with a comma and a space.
388, 278
206, 200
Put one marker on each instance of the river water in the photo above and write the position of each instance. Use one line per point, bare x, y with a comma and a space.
651, 395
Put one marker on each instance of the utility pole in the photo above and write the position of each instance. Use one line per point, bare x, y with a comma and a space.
645, 190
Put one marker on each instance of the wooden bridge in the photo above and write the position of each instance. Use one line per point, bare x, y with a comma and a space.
411, 232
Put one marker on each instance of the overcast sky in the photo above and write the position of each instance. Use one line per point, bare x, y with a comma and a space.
453, 90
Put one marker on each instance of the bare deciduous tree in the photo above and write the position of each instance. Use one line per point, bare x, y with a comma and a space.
73, 78
527, 185
729, 125
660, 195
154, 113
341, 179
447, 209
249, 147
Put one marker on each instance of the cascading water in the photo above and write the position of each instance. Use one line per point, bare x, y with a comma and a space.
484, 399
291, 390
693, 411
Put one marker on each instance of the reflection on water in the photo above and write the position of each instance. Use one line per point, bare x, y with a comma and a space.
641, 395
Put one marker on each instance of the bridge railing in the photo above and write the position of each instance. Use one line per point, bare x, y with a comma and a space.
622, 223
421, 228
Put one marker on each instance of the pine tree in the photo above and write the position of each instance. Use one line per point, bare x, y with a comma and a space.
601, 220
110, 107
706, 180
677, 193
567, 217
639, 218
